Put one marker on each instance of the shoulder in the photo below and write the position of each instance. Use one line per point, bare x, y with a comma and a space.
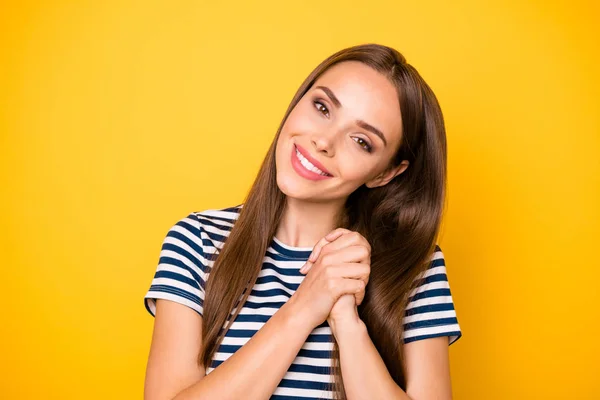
186, 257
217, 217
215, 224
208, 220
198, 235
430, 311
436, 271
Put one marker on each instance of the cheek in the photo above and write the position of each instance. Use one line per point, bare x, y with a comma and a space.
300, 120
355, 172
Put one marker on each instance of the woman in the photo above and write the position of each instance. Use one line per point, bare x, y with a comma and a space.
355, 180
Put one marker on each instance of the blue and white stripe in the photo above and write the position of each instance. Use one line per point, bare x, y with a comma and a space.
185, 263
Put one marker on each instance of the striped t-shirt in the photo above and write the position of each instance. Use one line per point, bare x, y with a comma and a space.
184, 266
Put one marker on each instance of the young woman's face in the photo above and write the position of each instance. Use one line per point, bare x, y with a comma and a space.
323, 127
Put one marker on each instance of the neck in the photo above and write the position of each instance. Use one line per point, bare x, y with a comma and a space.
304, 223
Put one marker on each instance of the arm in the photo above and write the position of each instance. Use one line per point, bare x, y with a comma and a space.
252, 372
426, 357
366, 376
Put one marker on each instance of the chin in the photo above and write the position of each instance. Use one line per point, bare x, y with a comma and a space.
291, 187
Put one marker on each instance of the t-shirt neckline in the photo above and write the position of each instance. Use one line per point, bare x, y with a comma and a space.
291, 251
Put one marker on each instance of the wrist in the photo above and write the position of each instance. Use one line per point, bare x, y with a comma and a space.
350, 327
296, 316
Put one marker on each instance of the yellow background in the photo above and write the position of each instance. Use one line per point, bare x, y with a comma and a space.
117, 118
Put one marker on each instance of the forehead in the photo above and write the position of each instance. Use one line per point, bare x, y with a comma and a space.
365, 94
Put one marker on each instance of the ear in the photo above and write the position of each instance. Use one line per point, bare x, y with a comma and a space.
387, 175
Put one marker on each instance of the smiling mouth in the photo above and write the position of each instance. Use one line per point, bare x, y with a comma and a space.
308, 165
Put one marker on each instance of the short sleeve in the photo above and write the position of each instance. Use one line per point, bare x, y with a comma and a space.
430, 311
181, 272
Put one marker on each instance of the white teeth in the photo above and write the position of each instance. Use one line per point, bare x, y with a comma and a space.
308, 165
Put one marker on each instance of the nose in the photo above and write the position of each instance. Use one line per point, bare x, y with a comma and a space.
324, 142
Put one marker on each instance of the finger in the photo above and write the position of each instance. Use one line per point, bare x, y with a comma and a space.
360, 296
331, 236
348, 239
347, 254
351, 270
349, 286
335, 233
313, 256
344, 253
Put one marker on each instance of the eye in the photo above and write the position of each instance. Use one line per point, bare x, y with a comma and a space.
317, 102
321, 107
367, 146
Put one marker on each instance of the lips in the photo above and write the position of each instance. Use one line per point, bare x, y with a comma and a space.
302, 170
311, 159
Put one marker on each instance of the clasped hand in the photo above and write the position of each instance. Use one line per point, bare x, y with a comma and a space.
337, 273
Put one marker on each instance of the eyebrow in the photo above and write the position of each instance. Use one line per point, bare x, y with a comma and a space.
359, 122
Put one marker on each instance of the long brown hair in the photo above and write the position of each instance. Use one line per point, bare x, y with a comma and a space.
401, 219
